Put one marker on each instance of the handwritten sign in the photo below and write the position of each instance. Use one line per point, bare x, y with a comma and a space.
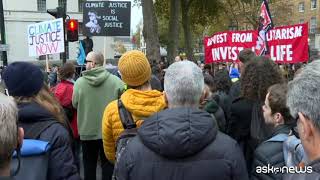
46, 38
106, 18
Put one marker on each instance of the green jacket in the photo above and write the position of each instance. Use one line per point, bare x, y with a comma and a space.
92, 93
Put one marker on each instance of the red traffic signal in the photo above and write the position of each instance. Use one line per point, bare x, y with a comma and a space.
72, 30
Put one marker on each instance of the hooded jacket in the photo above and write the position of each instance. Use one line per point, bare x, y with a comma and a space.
213, 108
181, 144
61, 161
92, 93
141, 104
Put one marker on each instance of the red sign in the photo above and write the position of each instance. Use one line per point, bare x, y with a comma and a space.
287, 44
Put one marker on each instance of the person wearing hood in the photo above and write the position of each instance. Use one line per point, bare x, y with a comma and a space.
42, 117
182, 142
140, 100
92, 93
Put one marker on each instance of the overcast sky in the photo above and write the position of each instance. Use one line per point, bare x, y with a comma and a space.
136, 15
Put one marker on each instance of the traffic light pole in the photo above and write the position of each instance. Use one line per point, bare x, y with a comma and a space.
3, 34
64, 55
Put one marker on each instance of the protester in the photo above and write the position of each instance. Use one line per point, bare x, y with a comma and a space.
222, 85
303, 101
92, 93
277, 114
53, 76
140, 100
234, 75
182, 142
210, 105
63, 92
244, 56
11, 136
246, 124
37, 106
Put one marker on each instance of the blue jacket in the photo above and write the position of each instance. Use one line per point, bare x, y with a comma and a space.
61, 160
181, 144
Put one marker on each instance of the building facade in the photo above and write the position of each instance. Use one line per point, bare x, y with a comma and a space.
19, 14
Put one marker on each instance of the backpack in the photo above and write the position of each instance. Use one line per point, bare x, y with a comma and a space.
130, 131
33, 159
293, 151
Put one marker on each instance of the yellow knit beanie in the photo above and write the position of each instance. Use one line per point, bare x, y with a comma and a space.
134, 68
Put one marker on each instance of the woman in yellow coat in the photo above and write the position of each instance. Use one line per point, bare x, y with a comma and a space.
140, 100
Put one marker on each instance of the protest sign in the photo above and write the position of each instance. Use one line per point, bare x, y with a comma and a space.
287, 44
46, 38
106, 18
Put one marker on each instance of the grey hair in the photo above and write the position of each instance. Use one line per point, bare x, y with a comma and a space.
8, 129
183, 84
304, 93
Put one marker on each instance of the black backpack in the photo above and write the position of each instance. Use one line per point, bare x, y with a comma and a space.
130, 131
32, 162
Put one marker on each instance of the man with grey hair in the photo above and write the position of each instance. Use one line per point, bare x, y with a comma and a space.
92, 93
182, 142
303, 100
11, 136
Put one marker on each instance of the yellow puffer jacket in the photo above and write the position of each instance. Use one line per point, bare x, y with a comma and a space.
141, 104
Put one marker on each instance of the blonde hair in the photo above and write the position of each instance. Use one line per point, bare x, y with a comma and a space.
47, 100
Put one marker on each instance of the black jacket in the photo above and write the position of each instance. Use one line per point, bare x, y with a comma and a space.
239, 127
270, 153
181, 144
224, 101
235, 90
61, 160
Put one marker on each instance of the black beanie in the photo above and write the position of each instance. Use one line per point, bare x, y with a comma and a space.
23, 79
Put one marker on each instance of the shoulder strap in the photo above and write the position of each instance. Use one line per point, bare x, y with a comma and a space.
278, 138
35, 129
125, 116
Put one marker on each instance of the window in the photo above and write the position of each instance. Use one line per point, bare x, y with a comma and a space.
80, 5
313, 25
301, 7
301, 21
62, 3
313, 4
42, 5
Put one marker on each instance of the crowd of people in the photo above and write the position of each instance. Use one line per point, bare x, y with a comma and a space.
181, 121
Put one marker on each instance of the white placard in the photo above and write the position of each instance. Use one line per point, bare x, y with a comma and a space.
46, 37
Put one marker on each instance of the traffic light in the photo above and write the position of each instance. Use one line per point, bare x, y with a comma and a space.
72, 30
58, 12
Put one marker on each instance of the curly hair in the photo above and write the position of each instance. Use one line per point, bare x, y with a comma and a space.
222, 81
259, 74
